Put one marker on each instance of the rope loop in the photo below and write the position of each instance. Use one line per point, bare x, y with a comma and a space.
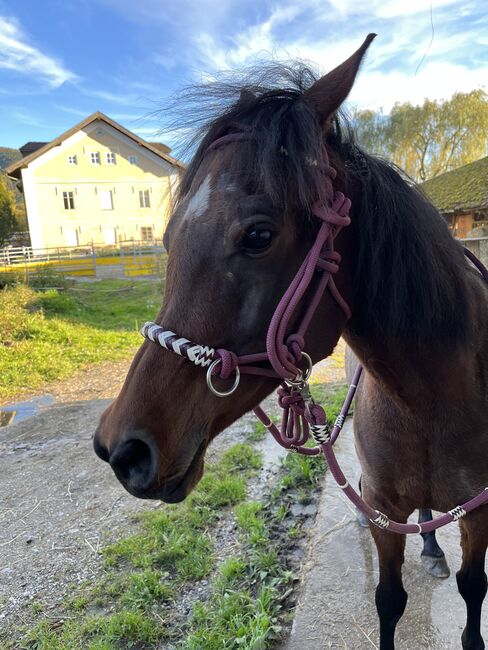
229, 362
295, 344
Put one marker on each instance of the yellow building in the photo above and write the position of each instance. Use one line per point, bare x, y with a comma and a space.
97, 183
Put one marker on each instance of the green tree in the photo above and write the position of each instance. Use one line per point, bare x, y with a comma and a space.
8, 221
430, 139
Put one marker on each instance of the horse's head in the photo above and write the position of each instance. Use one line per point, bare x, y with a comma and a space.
241, 230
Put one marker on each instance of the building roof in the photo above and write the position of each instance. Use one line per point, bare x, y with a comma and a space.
30, 147
464, 188
14, 168
162, 147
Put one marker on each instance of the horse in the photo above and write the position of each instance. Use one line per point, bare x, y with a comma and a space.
273, 169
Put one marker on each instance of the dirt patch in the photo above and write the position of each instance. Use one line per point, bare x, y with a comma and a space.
97, 381
60, 504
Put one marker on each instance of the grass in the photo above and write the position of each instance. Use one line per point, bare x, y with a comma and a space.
145, 571
248, 592
45, 336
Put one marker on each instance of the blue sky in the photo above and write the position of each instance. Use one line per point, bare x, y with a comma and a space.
60, 60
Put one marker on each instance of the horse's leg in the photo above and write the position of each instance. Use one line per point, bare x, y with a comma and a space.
391, 597
471, 578
361, 517
432, 556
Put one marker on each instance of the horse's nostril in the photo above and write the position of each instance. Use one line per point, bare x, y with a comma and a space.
134, 463
100, 450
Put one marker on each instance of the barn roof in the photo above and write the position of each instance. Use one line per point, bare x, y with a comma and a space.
465, 188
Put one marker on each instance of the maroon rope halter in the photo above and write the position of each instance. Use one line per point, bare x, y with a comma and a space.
301, 415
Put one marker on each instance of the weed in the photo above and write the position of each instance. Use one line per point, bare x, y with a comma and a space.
258, 433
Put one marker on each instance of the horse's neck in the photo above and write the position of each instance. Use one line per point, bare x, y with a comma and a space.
427, 379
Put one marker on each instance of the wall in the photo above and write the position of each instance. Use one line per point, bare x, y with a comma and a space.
49, 176
478, 247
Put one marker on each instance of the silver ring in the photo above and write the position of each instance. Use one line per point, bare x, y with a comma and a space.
212, 387
302, 378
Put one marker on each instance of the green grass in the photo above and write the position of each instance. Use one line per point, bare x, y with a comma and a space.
248, 592
45, 336
331, 397
145, 571
259, 432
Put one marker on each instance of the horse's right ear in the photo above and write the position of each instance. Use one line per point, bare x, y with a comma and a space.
328, 93
246, 97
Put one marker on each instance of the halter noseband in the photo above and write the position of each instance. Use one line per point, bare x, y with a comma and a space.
301, 415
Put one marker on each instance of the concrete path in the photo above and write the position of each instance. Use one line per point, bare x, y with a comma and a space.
336, 605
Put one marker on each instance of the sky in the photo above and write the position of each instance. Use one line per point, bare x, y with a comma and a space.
61, 60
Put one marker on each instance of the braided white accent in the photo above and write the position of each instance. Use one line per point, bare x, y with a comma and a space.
340, 419
381, 520
163, 336
457, 513
176, 345
152, 331
321, 433
201, 355
343, 487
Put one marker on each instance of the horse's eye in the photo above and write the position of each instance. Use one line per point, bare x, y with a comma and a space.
256, 239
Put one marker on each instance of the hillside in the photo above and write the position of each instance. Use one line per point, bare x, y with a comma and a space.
8, 156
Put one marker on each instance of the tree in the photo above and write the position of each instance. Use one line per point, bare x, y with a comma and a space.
430, 139
8, 221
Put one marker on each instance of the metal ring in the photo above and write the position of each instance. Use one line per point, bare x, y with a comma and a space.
301, 377
212, 387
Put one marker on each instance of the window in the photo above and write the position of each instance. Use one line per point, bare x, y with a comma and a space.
69, 200
72, 160
110, 158
144, 199
106, 200
146, 233
133, 160
95, 157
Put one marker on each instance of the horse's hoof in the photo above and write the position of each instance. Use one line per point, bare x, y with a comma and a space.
436, 566
362, 519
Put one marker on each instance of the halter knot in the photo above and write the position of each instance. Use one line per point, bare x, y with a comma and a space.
330, 262
289, 399
335, 214
229, 362
295, 344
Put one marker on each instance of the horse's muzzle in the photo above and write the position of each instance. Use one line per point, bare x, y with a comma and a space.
135, 462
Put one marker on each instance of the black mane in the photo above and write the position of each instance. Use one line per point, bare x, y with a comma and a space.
410, 279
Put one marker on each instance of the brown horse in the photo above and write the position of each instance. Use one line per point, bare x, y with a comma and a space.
241, 228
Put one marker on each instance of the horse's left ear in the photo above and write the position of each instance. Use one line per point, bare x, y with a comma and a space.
328, 93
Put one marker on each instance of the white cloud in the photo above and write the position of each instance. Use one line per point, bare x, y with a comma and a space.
386, 8
18, 55
401, 64
435, 80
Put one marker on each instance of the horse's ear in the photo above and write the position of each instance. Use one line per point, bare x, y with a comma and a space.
246, 97
328, 93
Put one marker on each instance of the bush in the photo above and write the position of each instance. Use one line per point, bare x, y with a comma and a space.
44, 276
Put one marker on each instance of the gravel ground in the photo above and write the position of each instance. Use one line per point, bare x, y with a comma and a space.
60, 504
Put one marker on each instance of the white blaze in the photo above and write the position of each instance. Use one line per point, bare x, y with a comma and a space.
199, 202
